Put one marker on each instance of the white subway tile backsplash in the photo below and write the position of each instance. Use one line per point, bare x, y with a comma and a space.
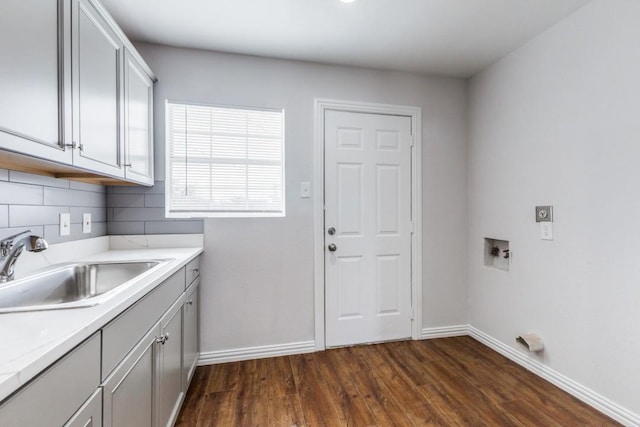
4, 216
140, 210
52, 234
99, 200
66, 197
126, 227
24, 215
20, 194
154, 200
124, 200
45, 181
97, 214
158, 188
138, 214
98, 229
76, 185
34, 202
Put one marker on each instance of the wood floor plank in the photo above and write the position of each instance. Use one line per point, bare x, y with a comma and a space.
352, 408
286, 411
280, 377
223, 377
441, 382
218, 409
195, 396
252, 379
316, 399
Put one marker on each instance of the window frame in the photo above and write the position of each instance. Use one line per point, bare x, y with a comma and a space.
201, 214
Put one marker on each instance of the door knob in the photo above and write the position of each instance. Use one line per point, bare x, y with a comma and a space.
331, 231
332, 247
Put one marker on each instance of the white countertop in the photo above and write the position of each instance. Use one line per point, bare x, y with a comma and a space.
31, 341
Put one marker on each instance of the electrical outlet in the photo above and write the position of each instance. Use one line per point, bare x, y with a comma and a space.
65, 224
546, 230
86, 223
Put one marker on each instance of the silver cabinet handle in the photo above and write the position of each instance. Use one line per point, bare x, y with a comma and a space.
190, 302
162, 339
332, 247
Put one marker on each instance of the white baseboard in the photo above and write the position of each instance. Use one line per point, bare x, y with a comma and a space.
581, 392
248, 353
445, 332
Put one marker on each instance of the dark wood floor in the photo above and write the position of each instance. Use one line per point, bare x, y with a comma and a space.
442, 382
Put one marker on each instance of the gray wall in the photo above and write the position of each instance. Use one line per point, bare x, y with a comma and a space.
558, 122
258, 272
35, 202
140, 210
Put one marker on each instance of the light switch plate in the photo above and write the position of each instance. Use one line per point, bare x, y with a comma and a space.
305, 190
86, 223
65, 224
544, 213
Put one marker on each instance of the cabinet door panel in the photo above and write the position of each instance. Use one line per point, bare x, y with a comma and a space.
32, 35
138, 122
97, 70
129, 390
190, 354
170, 366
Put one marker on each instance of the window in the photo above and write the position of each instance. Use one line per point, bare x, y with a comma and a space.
224, 161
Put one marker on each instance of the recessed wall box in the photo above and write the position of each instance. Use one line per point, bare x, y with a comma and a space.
497, 253
544, 213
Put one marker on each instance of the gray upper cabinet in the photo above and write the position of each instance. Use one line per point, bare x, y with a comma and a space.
97, 67
138, 121
74, 104
36, 92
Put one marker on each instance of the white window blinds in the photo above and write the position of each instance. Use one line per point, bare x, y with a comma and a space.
224, 161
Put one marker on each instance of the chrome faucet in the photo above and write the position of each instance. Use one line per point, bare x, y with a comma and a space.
10, 249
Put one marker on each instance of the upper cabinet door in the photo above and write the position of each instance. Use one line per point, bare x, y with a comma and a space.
34, 37
97, 105
138, 121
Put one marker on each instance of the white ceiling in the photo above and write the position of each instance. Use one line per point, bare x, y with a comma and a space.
447, 37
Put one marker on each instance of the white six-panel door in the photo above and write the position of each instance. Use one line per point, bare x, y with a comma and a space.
367, 227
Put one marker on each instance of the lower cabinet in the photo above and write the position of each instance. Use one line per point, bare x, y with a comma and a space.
190, 351
149, 353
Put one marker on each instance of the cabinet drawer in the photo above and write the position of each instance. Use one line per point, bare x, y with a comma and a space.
56, 394
125, 331
193, 270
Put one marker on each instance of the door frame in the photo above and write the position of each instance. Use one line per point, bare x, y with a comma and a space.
321, 105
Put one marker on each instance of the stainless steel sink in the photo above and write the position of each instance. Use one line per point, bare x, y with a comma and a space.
71, 285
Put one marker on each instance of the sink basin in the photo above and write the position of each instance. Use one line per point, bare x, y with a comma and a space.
71, 285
